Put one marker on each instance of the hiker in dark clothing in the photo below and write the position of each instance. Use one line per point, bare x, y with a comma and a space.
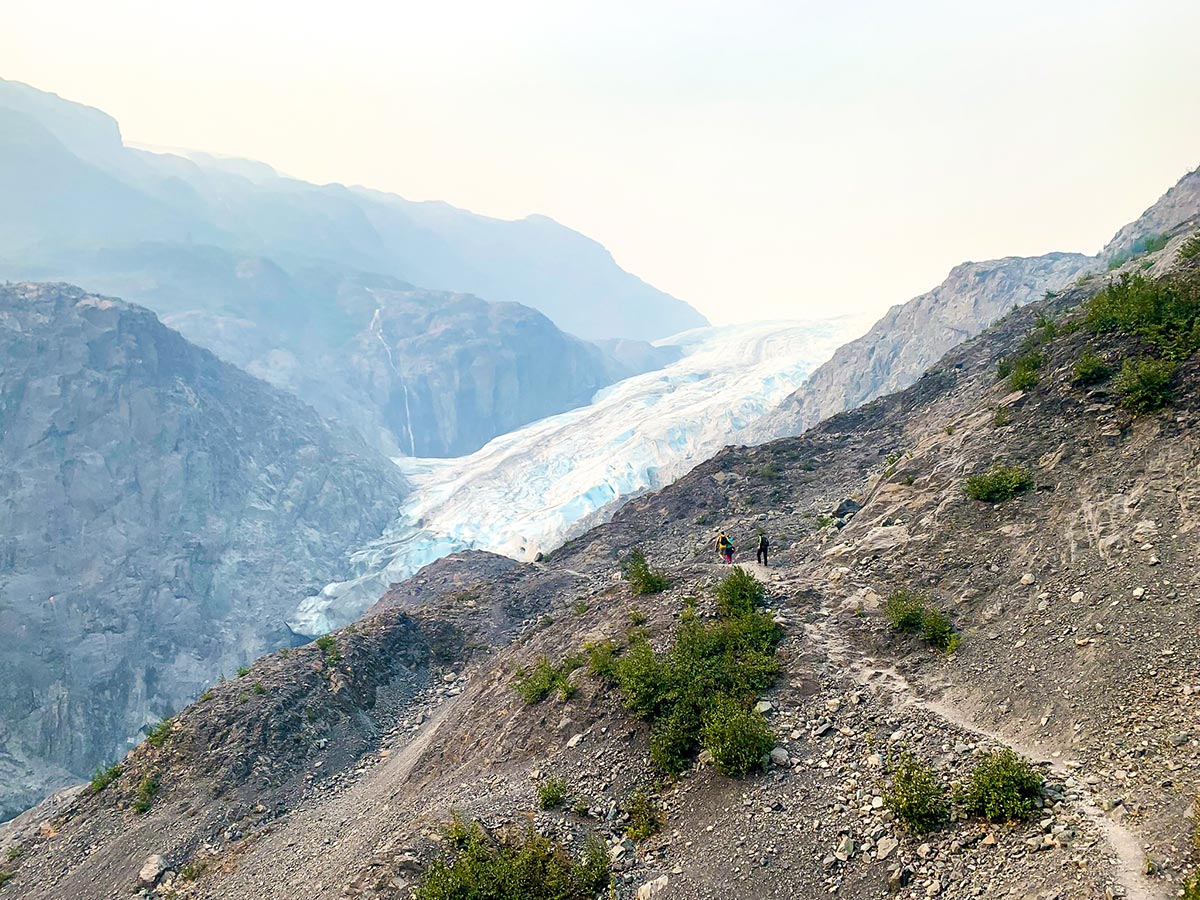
763, 544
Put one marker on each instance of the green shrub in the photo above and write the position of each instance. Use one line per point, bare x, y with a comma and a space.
739, 593
1191, 887
1163, 313
259, 688
1001, 417
1091, 368
642, 579
1190, 249
637, 618
644, 820
601, 658
157, 736
243, 671
328, 645
1151, 243
737, 737
104, 777
999, 483
916, 797
1003, 788
545, 678
192, 870
478, 866
1144, 385
639, 675
146, 792
937, 630
904, 609
551, 793
1023, 375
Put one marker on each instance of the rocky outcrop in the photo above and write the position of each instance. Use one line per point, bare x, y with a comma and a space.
913, 336
1179, 204
159, 510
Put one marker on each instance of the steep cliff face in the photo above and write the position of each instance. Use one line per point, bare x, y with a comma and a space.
914, 335
159, 510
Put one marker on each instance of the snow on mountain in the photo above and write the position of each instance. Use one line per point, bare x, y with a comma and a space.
528, 491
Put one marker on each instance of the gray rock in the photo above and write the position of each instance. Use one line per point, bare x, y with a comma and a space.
152, 870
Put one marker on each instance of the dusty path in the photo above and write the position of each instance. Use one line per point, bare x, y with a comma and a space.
1128, 855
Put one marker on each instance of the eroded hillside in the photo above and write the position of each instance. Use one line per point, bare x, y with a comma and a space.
1070, 589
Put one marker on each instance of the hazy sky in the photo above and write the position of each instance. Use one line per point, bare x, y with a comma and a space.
759, 159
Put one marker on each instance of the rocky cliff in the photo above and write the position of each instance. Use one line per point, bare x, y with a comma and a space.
159, 509
1070, 596
912, 335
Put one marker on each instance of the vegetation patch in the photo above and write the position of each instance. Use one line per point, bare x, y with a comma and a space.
1162, 313
702, 690
644, 820
1144, 384
642, 579
601, 657
329, 649
916, 797
908, 611
1022, 371
551, 793
104, 777
157, 736
1190, 249
146, 792
904, 609
482, 866
1003, 788
1090, 369
999, 483
538, 683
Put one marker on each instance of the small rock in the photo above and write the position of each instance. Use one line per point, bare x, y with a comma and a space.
652, 887
780, 757
886, 847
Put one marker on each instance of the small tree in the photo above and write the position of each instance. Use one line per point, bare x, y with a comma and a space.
1003, 788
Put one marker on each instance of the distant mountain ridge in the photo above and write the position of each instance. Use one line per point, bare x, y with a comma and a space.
132, 195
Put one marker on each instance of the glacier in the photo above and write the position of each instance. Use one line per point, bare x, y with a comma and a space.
528, 491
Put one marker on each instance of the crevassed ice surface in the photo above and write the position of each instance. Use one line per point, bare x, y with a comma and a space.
530, 490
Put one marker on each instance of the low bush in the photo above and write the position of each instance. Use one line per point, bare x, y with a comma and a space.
480, 866
711, 668
1164, 313
904, 609
999, 483
1003, 788
146, 792
644, 820
1090, 368
259, 688
104, 777
551, 793
157, 736
736, 736
937, 630
1191, 888
1144, 385
916, 797
739, 593
1190, 249
642, 579
328, 645
545, 678
601, 658
1023, 371
1001, 417
243, 671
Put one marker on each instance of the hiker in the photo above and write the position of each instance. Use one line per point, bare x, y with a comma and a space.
763, 544
725, 547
